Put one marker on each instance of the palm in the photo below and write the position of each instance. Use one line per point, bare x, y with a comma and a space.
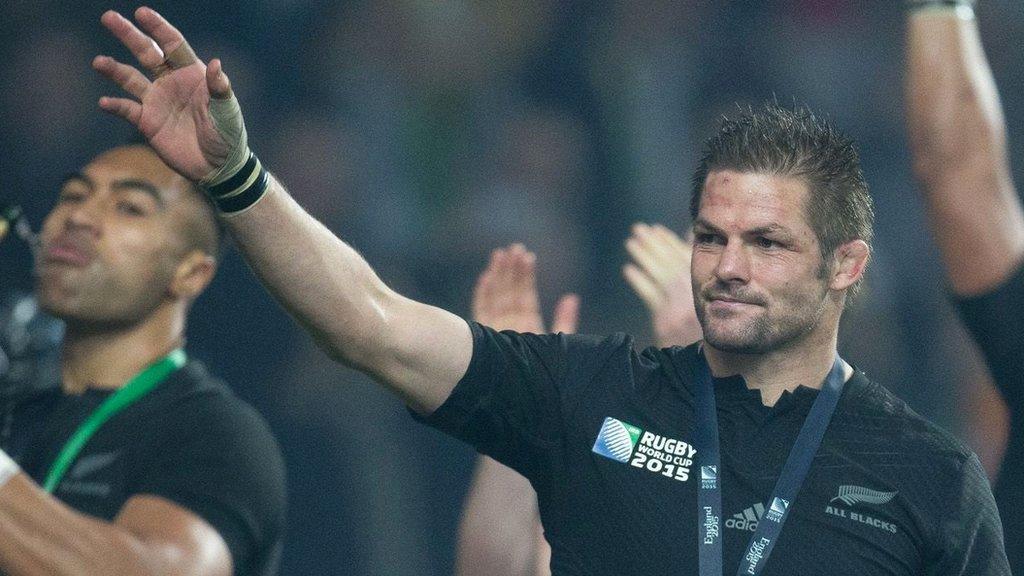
175, 122
172, 111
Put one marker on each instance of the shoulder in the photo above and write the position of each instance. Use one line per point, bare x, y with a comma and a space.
193, 405
871, 416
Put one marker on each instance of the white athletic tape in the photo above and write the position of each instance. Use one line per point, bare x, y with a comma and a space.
227, 118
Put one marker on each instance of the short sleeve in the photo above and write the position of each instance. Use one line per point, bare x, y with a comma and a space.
995, 320
221, 462
513, 401
971, 533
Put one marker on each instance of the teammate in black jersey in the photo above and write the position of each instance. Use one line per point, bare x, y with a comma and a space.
606, 433
958, 140
185, 479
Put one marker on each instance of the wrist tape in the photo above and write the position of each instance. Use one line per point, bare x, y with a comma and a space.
243, 189
241, 181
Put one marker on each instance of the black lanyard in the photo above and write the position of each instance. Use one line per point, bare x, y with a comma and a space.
709, 493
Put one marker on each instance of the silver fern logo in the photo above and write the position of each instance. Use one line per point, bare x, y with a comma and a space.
851, 495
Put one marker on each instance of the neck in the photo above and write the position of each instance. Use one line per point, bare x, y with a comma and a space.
772, 373
107, 358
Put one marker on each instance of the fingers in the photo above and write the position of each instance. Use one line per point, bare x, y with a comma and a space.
166, 36
647, 289
127, 77
217, 81
659, 252
521, 276
144, 48
567, 314
505, 296
483, 292
130, 110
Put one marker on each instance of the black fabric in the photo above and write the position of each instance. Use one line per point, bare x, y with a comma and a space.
996, 320
190, 441
916, 501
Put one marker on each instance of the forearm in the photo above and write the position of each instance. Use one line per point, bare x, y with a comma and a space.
39, 535
958, 141
419, 351
498, 532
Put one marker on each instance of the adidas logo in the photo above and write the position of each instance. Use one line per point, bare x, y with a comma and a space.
748, 519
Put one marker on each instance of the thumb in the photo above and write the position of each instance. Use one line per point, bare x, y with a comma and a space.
567, 314
217, 81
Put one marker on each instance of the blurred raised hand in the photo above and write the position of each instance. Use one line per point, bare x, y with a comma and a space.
184, 108
500, 533
660, 274
505, 297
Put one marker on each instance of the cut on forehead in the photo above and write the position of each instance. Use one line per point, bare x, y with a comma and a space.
757, 201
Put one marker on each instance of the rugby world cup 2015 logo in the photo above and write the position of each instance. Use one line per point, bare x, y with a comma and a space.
616, 439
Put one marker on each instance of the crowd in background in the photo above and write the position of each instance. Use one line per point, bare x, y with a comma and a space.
428, 133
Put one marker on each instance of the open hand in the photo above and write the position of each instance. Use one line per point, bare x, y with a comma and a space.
505, 297
660, 275
172, 111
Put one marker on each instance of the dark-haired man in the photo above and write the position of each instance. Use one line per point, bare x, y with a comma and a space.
638, 458
958, 139
139, 462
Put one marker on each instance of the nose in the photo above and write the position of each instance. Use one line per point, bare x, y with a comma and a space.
733, 264
85, 214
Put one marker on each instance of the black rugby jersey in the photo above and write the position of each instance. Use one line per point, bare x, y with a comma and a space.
605, 434
996, 320
190, 441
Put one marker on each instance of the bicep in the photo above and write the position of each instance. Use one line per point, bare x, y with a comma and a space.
174, 537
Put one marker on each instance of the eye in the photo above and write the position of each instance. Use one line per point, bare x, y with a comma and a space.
705, 238
130, 208
70, 196
767, 243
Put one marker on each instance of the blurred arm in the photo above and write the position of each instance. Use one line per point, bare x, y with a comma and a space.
958, 141
41, 536
500, 532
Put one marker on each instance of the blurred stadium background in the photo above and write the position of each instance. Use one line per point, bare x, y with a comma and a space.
427, 133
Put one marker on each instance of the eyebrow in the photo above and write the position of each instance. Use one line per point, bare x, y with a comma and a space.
119, 186
759, 231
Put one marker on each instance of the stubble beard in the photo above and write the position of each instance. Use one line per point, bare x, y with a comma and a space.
762, 333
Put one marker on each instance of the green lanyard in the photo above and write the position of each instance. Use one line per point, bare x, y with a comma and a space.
140, 385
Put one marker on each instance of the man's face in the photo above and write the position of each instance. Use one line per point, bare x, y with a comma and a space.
758, 280
111, 244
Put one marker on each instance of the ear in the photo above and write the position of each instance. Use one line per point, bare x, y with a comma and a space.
849, 262
193, 274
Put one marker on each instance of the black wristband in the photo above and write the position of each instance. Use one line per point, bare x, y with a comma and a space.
243, 189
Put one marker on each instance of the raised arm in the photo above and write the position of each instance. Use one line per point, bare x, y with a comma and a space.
660, 274
500, 533
190, 116
958, 139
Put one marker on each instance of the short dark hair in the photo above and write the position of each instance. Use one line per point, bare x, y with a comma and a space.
778, 141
